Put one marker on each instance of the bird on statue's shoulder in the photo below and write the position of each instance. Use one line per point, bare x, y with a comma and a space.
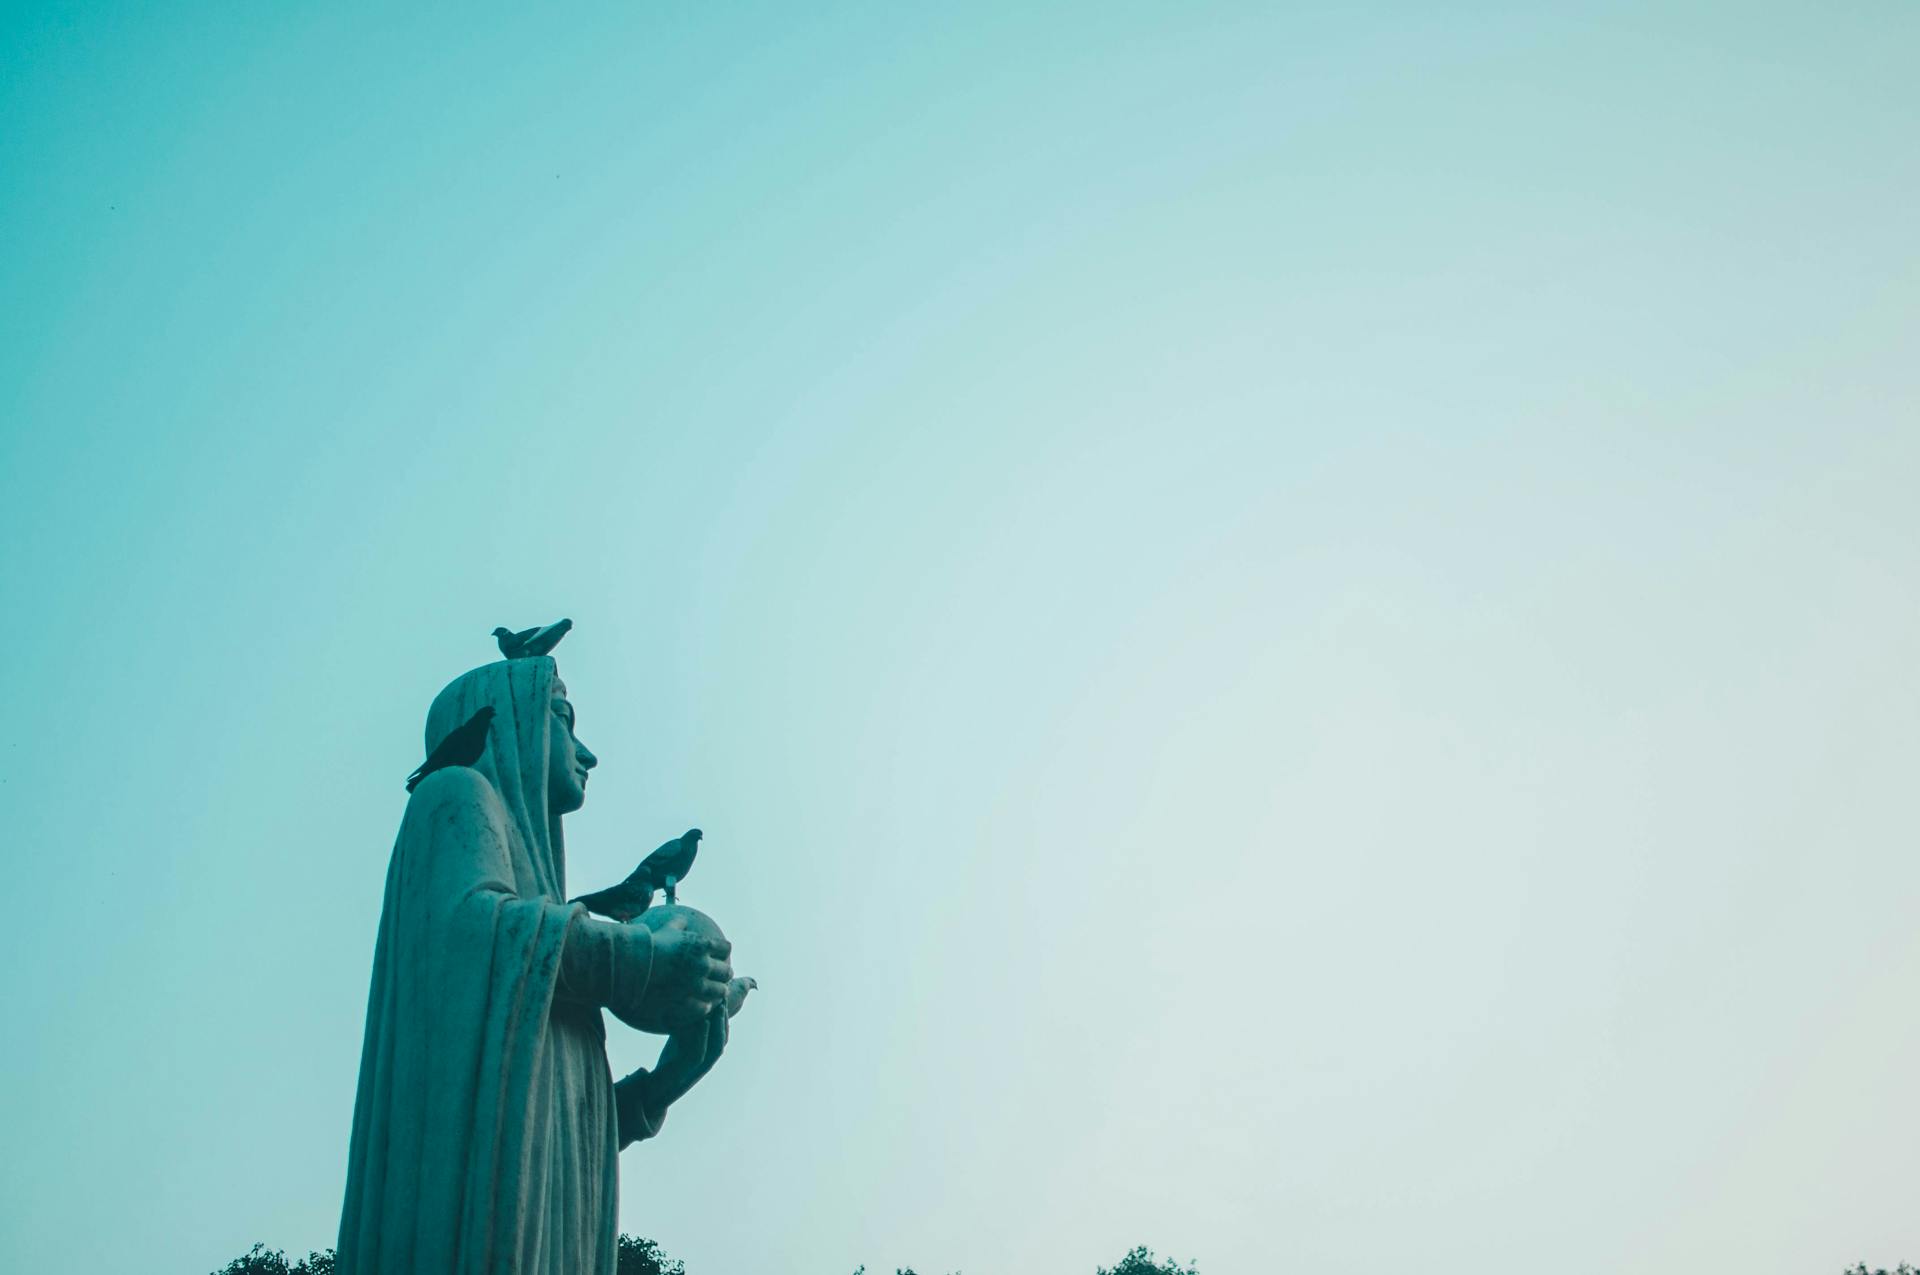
463, 746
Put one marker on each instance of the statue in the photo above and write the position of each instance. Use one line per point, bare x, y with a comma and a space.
487, 1125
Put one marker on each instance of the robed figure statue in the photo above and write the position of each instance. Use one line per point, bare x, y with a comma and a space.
487, 1126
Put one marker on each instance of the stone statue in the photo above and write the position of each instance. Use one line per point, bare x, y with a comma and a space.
487, 1126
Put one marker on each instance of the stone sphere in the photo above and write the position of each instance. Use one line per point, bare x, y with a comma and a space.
675, 916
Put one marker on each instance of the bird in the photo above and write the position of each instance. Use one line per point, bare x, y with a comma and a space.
737, 993
625, 901
670, 864
665, 866
538, 640
462, 747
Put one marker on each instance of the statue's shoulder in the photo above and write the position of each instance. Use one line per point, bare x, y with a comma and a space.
454, 791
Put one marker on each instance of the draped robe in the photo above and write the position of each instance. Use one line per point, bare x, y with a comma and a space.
486, 1129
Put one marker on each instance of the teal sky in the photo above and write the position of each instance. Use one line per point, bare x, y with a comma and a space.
1293, 627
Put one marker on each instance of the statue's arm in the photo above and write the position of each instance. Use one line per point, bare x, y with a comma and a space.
606, 966
639, 1119
691, 1051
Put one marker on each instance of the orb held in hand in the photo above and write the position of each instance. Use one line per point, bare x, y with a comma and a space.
675, 916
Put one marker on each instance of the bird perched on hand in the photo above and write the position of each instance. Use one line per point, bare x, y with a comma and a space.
537, 640
737, 993
665, 866
462, 747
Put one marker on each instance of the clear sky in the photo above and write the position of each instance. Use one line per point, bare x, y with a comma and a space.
1294, 628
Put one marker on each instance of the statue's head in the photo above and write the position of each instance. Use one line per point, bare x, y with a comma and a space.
533, 760
568, 760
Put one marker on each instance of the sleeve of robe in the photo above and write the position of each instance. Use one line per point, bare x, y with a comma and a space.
608, 966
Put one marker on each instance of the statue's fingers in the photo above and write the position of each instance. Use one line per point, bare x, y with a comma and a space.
722, 948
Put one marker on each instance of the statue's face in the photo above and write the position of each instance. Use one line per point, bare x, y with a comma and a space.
568, 760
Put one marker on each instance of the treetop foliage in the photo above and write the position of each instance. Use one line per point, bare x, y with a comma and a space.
261, 1260
643, 1257
1141, 1262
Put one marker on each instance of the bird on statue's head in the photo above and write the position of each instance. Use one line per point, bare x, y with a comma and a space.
538, 640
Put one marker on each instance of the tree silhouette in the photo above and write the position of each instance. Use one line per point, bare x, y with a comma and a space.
643, 1257
261, 1260
1141, 1262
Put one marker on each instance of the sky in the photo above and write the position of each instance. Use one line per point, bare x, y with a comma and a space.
1292, 626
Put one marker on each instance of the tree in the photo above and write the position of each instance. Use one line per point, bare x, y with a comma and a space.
1861, 1269
261, 1260
643, 1257
1141, 1262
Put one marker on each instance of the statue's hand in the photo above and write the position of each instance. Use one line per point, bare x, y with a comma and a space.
689, 977
689, 1054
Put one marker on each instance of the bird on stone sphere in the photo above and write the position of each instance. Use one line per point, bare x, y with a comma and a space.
462, 747
665, 866
538, 640
670, 864
737, 993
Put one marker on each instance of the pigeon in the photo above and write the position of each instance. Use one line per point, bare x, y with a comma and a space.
625, 901
462, 747
737, 993
633, 896
670, 864
533, 641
